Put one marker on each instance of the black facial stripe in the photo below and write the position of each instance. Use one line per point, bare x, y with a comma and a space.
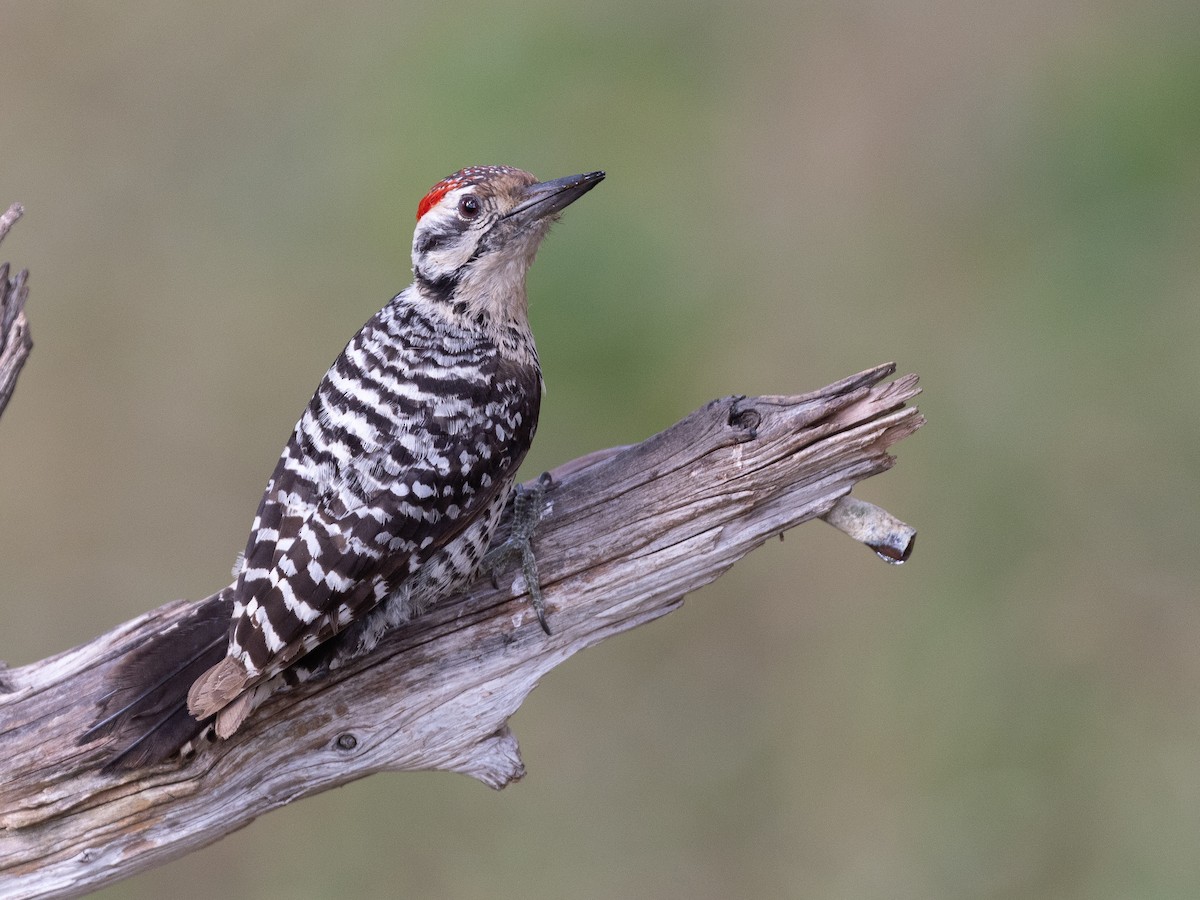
441, 288
434, 239
430, 240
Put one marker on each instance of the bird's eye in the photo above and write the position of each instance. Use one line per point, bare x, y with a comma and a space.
469, 207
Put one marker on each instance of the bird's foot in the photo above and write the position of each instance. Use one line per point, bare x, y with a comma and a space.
527, 513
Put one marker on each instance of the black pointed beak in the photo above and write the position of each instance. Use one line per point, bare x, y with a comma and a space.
549, 197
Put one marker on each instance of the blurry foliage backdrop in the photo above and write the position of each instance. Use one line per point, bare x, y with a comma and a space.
1004, 198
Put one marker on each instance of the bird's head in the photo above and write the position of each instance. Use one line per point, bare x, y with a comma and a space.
478, 232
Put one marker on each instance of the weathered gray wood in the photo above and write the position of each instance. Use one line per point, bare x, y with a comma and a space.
15, 342
625, 536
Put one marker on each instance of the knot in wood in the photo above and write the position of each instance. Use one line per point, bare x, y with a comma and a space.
346, 741
744, 418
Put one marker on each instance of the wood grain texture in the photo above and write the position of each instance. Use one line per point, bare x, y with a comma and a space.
626, 534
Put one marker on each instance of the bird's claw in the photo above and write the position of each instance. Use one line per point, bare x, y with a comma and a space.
527, 513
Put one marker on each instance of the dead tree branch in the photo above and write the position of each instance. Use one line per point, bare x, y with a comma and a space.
15, 342
627, 533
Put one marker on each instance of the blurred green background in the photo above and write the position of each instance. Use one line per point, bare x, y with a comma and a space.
1004, 198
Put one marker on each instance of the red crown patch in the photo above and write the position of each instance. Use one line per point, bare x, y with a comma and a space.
461, 178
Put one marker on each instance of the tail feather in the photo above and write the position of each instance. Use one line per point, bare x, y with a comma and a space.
146, 710
218, 687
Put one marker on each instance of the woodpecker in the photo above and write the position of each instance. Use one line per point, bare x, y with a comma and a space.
387, 495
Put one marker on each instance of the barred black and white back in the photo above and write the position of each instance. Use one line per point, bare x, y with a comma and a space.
385, 497
388, 493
